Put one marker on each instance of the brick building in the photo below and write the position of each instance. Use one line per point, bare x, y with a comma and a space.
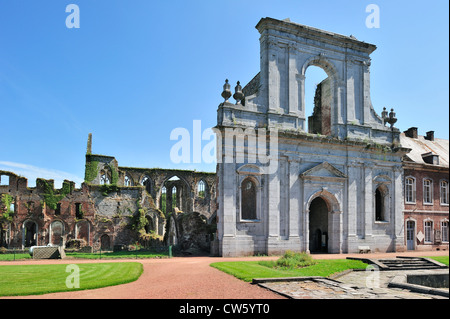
426, 191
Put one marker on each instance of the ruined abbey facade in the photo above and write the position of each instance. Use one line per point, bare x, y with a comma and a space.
331, 181
114, 208
334, 187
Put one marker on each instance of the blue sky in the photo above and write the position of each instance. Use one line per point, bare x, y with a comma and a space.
136, 70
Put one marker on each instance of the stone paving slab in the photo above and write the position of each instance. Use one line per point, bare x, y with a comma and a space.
352, 285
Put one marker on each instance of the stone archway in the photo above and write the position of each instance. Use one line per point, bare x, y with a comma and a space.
318, 225
323, 230
30, 234
105, 242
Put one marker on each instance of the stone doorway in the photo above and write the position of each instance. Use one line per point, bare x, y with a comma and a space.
318, 226
30, 234
105, 242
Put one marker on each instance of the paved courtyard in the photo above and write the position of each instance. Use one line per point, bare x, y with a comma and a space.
354, 285
194, 278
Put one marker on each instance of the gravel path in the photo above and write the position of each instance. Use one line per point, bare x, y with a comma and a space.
184, 278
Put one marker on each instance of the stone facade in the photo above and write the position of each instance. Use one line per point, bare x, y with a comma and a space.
332, 191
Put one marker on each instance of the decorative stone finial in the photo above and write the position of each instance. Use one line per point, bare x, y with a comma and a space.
226, 91
384, 115
238, 95
392, 119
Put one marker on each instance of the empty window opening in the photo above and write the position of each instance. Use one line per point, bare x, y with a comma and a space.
147, 182
318, 99
104, 179
58, 209
128, 181
78, 211
4, 180
381, 201
163, 199
201, 189
174, 197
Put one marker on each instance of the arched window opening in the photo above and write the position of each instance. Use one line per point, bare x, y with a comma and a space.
318, 99
248, 199
104, 179
146, 181
163, 199
149, 227
174, 197
201, 189
128, 181
30, 229
56, 233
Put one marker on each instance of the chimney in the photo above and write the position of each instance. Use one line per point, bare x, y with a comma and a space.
430, 136
411, 132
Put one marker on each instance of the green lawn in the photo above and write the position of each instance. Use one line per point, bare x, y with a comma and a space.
98, 255
42, 279
9, 257
247, 270
120, 254
441, 259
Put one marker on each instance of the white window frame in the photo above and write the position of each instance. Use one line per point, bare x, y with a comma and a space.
443, 192
444, 230
425, 191
428, 231
411, 191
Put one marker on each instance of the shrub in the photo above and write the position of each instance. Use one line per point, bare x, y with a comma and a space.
75, 243
292, 259
3, 250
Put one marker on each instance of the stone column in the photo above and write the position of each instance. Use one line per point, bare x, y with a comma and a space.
369, 214
399, 232
295, 203
292, 81
301, 100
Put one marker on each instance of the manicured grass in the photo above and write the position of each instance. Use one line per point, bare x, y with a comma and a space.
41, 279
120, 254
247, 270
441, 259
8, 257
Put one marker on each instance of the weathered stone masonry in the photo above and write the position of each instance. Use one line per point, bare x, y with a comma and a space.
115, 206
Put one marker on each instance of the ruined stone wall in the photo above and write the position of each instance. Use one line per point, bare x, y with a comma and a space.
320, 121
98, 216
